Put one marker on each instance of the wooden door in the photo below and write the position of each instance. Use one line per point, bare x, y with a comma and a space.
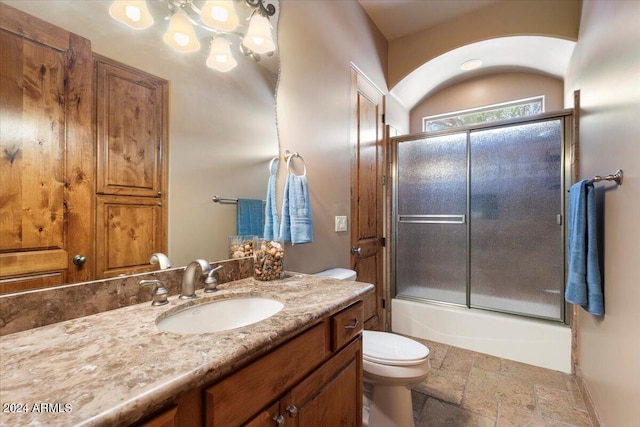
46, 153
366, 192
131, 168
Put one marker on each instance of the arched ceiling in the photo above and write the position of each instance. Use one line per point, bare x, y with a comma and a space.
545, 55
430, 39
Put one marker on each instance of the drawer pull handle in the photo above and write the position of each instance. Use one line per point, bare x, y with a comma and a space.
355, 323
292, 410
279, 420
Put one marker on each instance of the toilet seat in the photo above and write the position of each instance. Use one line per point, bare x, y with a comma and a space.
391, 349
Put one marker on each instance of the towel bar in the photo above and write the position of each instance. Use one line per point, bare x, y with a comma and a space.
617, 177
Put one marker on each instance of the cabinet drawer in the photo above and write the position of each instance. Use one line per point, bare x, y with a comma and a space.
346, 325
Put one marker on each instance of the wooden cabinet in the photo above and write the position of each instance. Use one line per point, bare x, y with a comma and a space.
301, 383
46, 153
131, 169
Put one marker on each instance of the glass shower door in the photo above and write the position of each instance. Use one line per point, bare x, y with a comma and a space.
431, 231
516, 252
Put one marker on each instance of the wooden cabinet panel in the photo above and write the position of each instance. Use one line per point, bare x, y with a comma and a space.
45, 148
164, 419
266, 418
130, 230
346, 325
131, 130
332, 395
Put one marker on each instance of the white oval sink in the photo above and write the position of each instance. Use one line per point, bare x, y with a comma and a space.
220, 315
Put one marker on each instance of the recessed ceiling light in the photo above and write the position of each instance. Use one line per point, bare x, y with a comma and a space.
471, 64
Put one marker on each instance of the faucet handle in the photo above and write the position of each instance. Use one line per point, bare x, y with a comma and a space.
160, 292
211, 283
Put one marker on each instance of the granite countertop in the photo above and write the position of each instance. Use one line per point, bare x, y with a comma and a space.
117, 367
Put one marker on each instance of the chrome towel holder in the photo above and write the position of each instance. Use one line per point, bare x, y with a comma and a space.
617, 177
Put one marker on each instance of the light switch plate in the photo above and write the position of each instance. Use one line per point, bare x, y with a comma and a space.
341, 223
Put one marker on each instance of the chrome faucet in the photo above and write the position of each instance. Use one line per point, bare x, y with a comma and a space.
160, 258
188, 287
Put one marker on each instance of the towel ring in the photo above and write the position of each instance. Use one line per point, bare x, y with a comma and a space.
275, 159
289, 155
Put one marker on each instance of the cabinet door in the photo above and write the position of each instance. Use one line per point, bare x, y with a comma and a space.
129, 231
46, 152
131, 130
165, 419
330, 396
267, 418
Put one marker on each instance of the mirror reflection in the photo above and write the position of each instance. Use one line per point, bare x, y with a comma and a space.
220, 122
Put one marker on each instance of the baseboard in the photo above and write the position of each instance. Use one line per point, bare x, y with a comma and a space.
588, 401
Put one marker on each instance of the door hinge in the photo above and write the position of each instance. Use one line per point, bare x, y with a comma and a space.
384, 118
384, 180
384, 303
383, 241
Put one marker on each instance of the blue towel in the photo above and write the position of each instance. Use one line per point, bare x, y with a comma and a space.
583, 280
250, 217
297, 225
271, 222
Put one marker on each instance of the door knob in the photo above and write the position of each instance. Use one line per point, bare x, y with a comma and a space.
356, 250
279, 420
79, 260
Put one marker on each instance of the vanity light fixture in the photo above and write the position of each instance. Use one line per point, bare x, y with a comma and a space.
219, 17
471, 64
132, 13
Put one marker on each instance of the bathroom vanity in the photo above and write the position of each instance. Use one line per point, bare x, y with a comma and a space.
117, 368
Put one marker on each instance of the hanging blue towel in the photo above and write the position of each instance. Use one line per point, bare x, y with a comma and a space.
583, 280
297, 224
250, 217
271, 220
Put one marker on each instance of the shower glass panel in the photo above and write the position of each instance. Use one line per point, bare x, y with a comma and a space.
431, 201
478, 216
516, 254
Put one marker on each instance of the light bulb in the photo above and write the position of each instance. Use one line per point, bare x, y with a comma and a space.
133, 13
220, 57
258, 38
181, 35
220, 14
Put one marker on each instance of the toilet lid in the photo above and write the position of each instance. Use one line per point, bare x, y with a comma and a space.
391, 349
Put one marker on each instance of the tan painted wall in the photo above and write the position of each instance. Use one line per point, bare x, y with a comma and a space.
606, 69
316, 46
489, 89
558, 18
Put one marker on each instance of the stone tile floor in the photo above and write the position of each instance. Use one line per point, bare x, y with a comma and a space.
465, 388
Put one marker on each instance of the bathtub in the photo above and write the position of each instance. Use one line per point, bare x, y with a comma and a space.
531, 341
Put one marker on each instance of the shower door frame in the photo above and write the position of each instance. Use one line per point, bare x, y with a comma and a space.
567, 119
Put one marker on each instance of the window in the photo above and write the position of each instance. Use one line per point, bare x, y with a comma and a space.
488, 113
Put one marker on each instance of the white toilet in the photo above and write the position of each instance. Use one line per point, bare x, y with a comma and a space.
391, 365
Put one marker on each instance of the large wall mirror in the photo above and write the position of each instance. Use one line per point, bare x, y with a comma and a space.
222, 125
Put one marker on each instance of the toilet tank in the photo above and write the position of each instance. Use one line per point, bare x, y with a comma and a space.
338, 273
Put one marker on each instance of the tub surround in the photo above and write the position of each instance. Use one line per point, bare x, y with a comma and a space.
40, 307
116, 367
